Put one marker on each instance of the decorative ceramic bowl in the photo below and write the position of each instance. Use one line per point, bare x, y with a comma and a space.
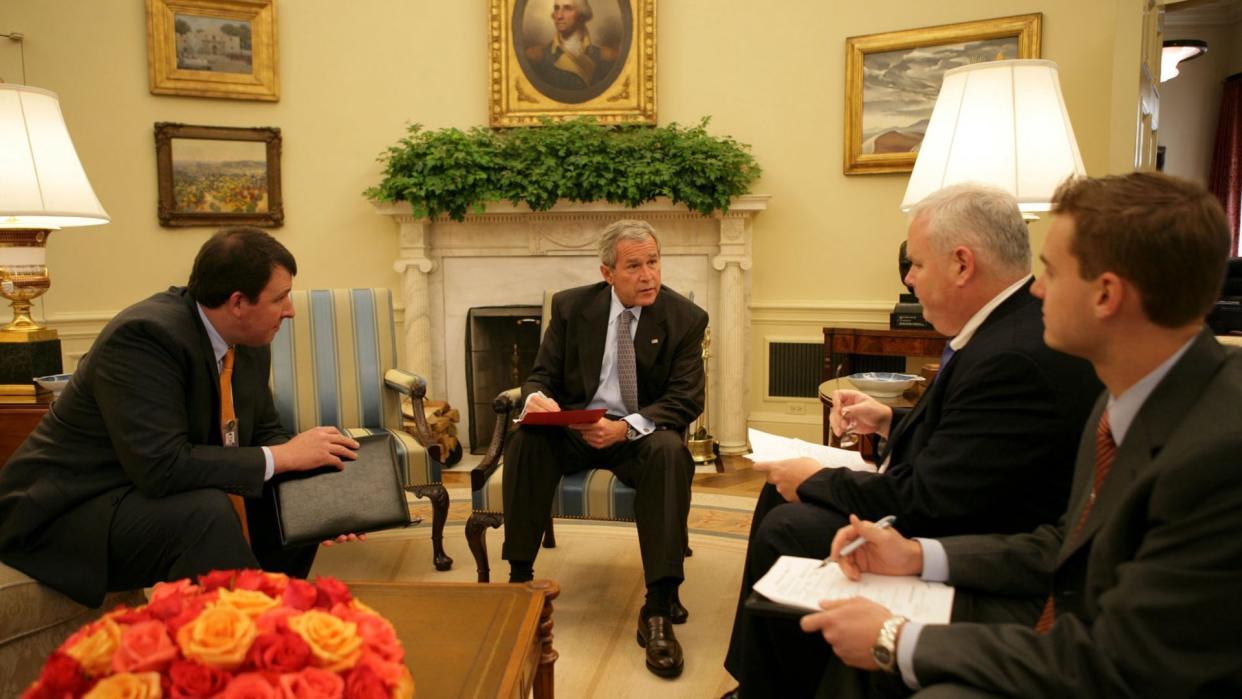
883, 384
54, 383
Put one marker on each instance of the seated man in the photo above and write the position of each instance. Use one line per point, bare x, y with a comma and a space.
988, 448
634, 348
1139, 580
124, 482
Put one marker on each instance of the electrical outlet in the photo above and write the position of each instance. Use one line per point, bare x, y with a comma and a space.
796, 409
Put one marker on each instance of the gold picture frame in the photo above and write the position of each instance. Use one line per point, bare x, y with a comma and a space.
613, 80
218, 175
213, 48
892, 79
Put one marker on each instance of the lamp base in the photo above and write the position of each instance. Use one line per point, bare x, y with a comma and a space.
21, 362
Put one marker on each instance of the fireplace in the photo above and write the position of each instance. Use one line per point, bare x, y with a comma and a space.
510, 255
501, 343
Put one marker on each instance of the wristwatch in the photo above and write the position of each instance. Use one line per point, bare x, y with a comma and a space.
885, 649
630, 433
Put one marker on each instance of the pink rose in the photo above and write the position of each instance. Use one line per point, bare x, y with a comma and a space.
313, 683
190, 611
144, 647
377, 634
390, 672
216, 579
169, 598
331, 592
270, 584
363, 683
275, 619
300, 594
190, 680
279, 652
250, 685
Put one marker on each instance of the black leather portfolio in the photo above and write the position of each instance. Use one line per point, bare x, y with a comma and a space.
366, 496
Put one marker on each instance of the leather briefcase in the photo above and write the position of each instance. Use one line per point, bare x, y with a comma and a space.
366, 496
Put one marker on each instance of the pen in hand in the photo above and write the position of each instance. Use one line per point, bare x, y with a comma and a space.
884, 523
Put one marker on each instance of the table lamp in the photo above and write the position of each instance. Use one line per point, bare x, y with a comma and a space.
42, 188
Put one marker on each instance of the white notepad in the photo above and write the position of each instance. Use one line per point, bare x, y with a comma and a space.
803, 583
771, 447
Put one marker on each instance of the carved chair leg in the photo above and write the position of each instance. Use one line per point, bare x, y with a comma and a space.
439, 498
549, 536
476, 532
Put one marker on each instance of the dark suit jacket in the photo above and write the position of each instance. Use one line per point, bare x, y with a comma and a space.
141, 411
989, 448
1149, 595
668, 346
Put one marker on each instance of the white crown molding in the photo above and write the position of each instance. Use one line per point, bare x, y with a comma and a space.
1218, 12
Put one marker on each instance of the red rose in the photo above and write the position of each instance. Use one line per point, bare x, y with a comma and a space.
62, 675
363, 683
279, 652
251, 685
331, 591
275, 619
300, 595
189, 680
312, 683
252, 579
189, 612
216, 579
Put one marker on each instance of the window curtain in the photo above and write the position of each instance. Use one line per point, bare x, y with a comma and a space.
1225, 180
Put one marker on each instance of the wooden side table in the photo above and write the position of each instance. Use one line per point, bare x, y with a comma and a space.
16, 421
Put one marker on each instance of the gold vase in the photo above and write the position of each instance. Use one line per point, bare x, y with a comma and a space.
23, 278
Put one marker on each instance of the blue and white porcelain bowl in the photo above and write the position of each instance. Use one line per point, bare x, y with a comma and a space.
883, 384
54, 383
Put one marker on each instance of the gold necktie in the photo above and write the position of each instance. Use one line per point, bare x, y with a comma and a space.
228, 430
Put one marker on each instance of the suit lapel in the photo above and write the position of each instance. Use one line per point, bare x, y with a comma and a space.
1151, 429
591, 337
650, 335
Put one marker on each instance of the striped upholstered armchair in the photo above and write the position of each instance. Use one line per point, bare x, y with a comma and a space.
592, 494
334, 363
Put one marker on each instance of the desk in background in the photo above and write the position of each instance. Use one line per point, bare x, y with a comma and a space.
17, 420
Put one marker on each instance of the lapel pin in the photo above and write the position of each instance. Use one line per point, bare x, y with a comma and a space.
655, 340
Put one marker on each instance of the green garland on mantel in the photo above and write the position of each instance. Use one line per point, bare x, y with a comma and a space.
451, 172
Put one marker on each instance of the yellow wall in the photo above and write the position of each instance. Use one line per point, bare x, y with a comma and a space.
352, 74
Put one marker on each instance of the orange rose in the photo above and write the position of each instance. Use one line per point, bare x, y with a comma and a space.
377, 634
405, 685
142, 685
249, 685
335, 644
219, 637
144, 646
94, 645
252, 602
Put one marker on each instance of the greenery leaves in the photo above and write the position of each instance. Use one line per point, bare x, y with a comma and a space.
451, 172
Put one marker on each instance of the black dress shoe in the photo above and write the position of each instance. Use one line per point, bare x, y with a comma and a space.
664, 658
734, 693
677, 613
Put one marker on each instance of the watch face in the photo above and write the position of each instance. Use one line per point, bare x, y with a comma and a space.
882, 656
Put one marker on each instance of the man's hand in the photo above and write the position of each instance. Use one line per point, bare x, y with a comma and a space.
788, 474
344, 538
603, 432
886, 551
851, 627
318, 446
539, 403
857, 412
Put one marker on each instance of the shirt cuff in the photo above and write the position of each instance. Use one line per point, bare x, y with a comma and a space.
645, 426
906, 642
269, 464
935, 561
525, 403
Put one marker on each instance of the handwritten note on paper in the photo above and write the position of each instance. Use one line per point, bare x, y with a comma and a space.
771, 447
801, 582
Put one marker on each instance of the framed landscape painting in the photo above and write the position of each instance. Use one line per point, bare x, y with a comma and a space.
561, 59
892, 80
218, 176
213, 48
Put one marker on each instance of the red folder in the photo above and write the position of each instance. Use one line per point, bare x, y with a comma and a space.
564, 418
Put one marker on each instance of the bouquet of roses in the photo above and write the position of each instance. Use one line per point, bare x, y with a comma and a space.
233, 634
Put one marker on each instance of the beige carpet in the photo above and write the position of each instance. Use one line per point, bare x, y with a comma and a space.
598, 568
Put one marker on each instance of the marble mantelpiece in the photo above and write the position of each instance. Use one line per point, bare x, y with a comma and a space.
509, 255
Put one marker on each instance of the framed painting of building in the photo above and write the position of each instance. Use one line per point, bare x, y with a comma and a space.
218, 175
892, 80
561, 59
213, 48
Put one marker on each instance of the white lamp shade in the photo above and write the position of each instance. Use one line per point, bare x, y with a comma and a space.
42, 184
1001, 123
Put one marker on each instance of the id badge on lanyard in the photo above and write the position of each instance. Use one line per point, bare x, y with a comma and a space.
229, 432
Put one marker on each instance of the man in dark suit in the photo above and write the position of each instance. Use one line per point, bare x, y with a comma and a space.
988, 448
634, 348
1139, 581
124, 482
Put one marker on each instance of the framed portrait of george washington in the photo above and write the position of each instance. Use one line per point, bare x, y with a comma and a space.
561, 59
892, 81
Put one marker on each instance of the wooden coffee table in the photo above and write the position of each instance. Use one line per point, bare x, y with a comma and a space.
470, 639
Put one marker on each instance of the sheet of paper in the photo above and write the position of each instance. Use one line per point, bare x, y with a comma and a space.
771, 447
801, 582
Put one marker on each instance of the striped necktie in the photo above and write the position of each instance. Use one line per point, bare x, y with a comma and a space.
627, 372
1105, 453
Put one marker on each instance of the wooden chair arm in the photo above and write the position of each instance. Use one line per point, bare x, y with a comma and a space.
505, 404
414, 386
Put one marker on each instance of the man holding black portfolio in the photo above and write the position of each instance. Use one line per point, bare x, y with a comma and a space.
633, 348
124, 481
1138, 580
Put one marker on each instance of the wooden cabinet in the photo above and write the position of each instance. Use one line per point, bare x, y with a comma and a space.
16, 421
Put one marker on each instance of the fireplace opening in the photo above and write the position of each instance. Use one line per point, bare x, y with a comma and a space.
501, 344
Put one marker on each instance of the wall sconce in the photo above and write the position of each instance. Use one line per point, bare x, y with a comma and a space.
1177, 50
